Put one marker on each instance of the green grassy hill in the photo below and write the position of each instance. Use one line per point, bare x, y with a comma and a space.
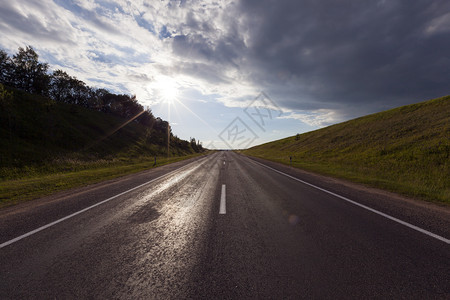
35, 130
46, 146
405, 150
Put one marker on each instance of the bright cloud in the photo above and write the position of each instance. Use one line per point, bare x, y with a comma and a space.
316, 118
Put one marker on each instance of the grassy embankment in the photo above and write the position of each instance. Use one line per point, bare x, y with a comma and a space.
404, 150
77, 174
47, 147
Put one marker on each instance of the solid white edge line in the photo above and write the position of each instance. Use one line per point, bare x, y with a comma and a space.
223, 209
438, 237
84, 209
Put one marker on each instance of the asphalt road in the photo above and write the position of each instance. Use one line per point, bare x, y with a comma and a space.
224, 227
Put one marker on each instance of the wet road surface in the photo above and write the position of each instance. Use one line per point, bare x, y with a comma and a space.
222, 226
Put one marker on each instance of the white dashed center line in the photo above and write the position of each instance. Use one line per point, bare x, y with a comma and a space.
223, 209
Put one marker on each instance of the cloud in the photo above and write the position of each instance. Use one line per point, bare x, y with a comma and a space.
348, 53
324, 61
316, 118
440, 24
34, 21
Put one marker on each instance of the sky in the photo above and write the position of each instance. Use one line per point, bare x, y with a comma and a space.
234, 74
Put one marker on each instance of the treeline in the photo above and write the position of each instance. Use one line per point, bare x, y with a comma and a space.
24, 71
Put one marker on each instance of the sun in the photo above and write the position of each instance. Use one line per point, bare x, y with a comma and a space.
168, 89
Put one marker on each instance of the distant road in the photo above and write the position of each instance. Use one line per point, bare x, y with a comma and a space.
224, 226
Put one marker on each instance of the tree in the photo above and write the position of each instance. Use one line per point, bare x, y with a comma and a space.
130, 106
147, 119
98, 99
6, 68
68, 89
29, 74
80, 93
194, 145
59, 86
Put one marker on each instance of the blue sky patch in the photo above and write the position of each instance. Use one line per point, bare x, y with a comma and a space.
164, 33
144, 23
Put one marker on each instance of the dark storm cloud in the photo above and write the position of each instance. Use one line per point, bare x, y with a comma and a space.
351, 56
224, 50
374, 53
